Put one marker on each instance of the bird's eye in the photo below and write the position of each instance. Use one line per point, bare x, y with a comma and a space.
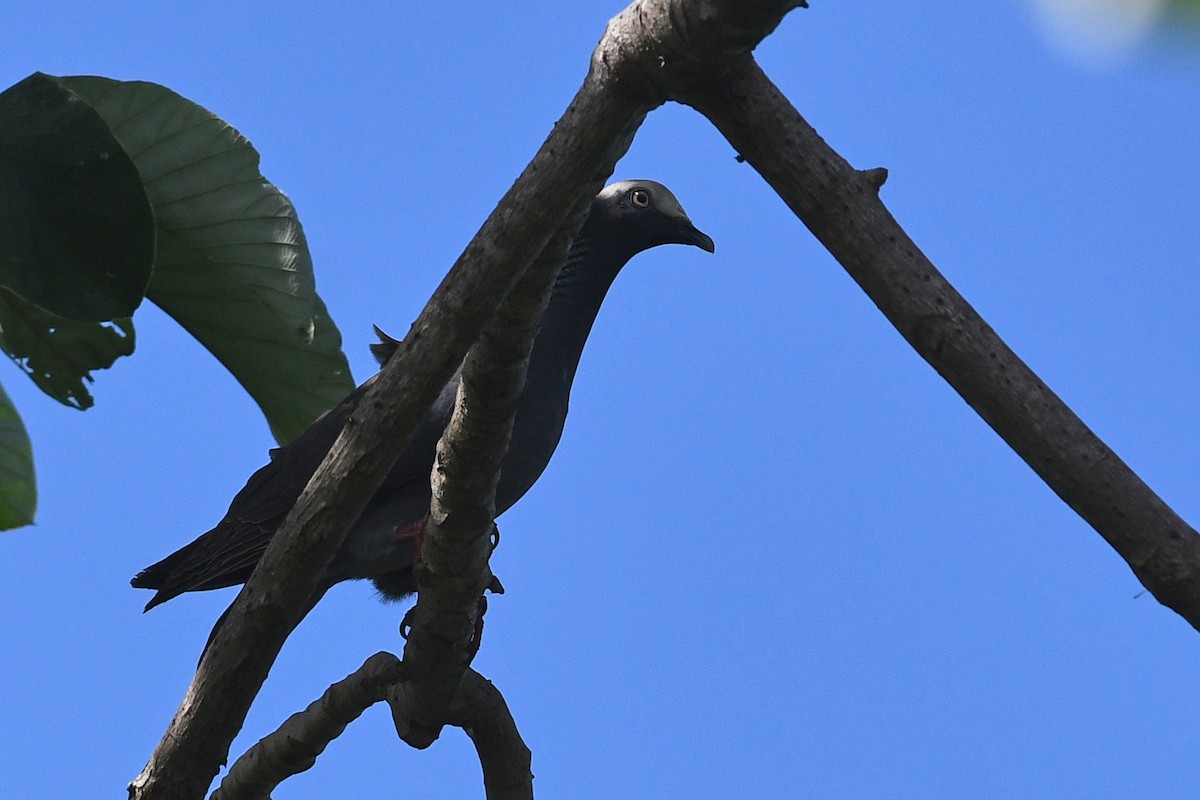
640, 198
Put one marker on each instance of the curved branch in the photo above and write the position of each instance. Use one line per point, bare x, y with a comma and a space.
480, 710
294, 746
841, 207
477, 707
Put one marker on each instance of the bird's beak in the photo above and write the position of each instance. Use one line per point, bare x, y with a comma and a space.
690, 234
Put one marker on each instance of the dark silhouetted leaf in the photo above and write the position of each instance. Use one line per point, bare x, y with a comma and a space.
57, 353
76, 229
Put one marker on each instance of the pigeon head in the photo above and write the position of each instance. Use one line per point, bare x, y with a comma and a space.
646, 215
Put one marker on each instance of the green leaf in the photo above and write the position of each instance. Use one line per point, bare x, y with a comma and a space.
18, 490
59, 354
76, 229
232, 264
293, 378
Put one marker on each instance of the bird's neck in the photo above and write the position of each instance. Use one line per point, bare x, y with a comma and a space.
578, 293
589, 271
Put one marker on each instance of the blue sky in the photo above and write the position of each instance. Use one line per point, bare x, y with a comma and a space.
775, 556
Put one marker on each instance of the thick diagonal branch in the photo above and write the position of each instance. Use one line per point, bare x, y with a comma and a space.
595, 131
581, 150
841, 207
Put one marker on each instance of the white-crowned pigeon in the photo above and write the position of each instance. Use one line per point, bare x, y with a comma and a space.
625, 219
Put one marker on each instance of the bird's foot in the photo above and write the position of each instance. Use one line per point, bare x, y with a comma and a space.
414, 534
406, 625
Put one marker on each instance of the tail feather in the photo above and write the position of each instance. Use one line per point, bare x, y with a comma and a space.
217, 559
385, 348
158, 576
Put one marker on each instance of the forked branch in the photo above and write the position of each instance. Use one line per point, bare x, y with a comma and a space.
696, 52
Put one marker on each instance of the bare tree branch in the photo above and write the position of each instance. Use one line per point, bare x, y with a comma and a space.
586, 143
696, 52
841, 207
476, 706
581, 151
480, 710
295, 745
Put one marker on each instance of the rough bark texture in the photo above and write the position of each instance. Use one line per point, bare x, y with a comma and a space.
476, 706
295, 745
695, 51
480, 710
841, 207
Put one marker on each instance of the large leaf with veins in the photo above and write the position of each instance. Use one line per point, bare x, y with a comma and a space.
232, 265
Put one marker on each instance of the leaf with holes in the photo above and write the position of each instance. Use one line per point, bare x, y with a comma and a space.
60, 354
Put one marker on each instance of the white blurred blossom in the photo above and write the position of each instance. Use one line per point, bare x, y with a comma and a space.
1098, 32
